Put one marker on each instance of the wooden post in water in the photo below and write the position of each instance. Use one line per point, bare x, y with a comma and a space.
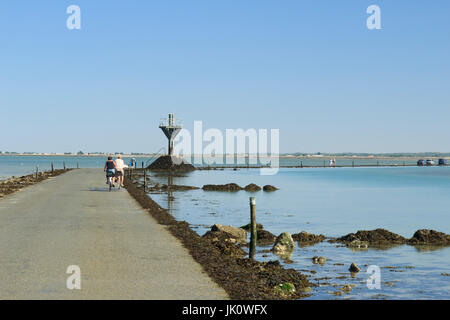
253, 231
145, 180
52, 168
64, 164
37, 172
142, 164
301, 164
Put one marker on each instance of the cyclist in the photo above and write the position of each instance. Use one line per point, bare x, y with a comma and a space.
110, 169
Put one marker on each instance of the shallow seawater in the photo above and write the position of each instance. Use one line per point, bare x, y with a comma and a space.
334, 202
17, 165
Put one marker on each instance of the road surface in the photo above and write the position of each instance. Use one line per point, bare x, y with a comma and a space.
122, 253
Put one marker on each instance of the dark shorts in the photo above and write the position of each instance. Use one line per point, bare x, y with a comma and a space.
110, 173
119, 173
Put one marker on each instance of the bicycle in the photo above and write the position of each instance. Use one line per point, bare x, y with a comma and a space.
110, 175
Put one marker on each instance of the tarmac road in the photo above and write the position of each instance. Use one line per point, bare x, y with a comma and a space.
121, 251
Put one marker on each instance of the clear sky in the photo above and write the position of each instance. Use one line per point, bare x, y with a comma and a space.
309, 68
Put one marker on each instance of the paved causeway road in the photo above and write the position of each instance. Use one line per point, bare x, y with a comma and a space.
121, 251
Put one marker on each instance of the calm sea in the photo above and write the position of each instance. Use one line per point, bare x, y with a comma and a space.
329, 201
334, 202
12, 165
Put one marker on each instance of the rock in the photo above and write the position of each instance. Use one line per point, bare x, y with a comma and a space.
215, 236
305, 238
319, 260
252, 188
248, 226
358, 244
347, 288
285, 289
176, 187
354, 268
373, 237
265, 238
284, 243
224, 243
172, 187
225, 187
171, 163
269, 188
237, 233
425, 236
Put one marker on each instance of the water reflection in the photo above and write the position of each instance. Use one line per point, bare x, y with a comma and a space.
430, 248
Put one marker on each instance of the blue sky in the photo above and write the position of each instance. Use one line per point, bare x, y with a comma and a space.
310, 68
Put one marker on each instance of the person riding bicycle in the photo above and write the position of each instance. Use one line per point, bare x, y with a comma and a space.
110, 169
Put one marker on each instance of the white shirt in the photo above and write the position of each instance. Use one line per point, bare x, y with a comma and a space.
120, 165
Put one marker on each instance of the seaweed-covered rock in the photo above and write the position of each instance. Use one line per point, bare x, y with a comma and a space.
305, 238
225, 243
222, 187
319, 260
284, 290
347, 288
284, 243
273, 274
358, 244
171, 163
172, 187
354, 268
14, 184
247, 227
221, 236
269, 188
237, 233
425, 236
264, 237
373, 237
252, 188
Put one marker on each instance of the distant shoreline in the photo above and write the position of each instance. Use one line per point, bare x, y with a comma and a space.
284, 156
